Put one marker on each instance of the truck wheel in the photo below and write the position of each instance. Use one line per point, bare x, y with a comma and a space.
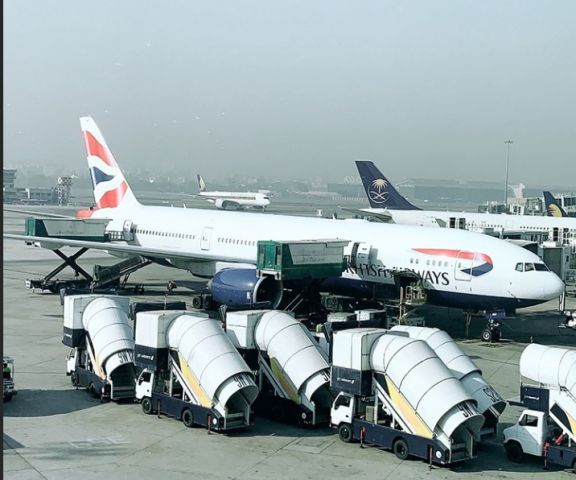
187, 418
514, 452
147, 406
74, 379
345, 432
400, 449
486, 335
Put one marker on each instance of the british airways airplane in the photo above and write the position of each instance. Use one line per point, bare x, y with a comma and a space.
387, 203
458, 268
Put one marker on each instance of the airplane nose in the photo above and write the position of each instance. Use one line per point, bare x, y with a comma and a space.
554, 287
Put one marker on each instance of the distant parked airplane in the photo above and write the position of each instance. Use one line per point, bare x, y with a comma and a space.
553, 206
389, 205
236, 200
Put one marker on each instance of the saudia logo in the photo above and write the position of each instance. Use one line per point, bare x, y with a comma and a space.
375, 192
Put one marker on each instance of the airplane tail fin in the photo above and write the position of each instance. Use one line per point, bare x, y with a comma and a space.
201, 183
553, 206
381, 193
111, 190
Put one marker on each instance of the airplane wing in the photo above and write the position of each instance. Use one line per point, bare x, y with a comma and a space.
113, 247
36, 214
379, 216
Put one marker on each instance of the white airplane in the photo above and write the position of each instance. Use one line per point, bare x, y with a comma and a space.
236, 200
459, 268
388, 204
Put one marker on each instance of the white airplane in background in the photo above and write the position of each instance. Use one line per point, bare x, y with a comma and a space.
388, 204
459, 268
236, 200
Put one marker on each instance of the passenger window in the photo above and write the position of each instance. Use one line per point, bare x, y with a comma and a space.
528, 267
519, 267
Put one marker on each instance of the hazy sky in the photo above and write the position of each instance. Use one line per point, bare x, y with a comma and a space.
427, 89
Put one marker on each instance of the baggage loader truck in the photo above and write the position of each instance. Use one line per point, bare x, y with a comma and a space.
101, 336
397, 394
547, 428
191, 371
292, 371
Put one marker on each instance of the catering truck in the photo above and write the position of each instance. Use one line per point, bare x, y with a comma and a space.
397, 394
100, 335
191, 371
291, 369
547, 428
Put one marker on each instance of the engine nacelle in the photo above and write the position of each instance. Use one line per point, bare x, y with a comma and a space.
219, 202
240, 287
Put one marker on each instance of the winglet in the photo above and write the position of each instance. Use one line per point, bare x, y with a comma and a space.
381, 193
553, 206
111, 190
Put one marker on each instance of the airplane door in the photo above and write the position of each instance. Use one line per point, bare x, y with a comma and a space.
463, 263
128, 230
206, 237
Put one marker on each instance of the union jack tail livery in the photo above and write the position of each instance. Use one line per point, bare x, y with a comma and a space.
111, 190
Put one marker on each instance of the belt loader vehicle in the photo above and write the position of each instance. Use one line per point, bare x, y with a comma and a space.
101, 336
292, 371
397, 394
547, 428
191, 371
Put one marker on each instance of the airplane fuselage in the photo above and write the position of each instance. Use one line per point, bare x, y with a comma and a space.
459, 268
562, 230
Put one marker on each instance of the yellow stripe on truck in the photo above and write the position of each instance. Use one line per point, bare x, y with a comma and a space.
406, 411
286, 383
193, 383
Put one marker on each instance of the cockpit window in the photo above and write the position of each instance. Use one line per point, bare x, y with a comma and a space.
541, 267
519, 267
528, 267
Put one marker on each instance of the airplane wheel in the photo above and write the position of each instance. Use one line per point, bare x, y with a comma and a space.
400, 449
345, 432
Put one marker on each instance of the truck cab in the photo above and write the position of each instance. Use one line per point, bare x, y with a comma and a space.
527, 435
343, 412
144, 384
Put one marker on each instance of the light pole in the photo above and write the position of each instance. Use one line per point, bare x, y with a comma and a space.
508, 143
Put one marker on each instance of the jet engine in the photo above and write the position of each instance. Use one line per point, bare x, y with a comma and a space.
240, 287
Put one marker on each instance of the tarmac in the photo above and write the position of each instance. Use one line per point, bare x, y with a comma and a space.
52, 431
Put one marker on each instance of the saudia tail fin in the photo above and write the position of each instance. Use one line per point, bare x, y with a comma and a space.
111, 190
553, 206
201, 183
381, 193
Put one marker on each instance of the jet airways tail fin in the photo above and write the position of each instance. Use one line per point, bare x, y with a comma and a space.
553, 206
381, 193
111, 190
201, 183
